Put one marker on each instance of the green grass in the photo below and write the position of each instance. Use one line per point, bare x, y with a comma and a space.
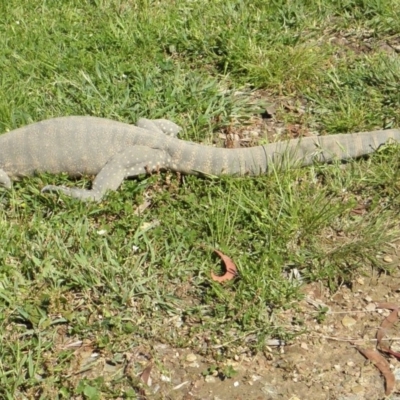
102, 274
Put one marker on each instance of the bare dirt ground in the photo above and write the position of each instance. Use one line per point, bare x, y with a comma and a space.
321, 363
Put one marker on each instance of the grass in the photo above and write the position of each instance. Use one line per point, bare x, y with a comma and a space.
101, 274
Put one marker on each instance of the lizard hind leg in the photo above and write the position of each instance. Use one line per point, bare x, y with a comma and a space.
132, 161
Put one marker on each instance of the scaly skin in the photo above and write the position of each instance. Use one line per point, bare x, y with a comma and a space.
114, 151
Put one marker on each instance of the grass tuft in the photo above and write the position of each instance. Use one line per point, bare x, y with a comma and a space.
113, 279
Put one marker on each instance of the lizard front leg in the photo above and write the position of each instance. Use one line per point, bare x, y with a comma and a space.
5, 180
133, 161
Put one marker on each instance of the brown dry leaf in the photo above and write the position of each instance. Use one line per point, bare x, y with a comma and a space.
145, 378
145, 375
142, 207
390, 351
359, 210
387, 323
383, 366
294, 130
230, 267
389, 306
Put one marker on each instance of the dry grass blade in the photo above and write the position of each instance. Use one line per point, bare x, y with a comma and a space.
383, 366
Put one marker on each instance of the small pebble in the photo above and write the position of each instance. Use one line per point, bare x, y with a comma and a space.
191, 357
348, 321
370, 307
358, 389
360, 280
351, 363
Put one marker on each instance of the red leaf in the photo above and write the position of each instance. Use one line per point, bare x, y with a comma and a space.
386, 324
389, 306
383, 366
230, 267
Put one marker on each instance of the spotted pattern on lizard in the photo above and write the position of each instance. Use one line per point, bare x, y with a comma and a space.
114, 151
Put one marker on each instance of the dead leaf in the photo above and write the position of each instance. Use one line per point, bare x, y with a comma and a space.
294, 130
390, 351
137, 381
386, 324
359, 210
142, 207
145, 375
389, 306
383, 366
230, 267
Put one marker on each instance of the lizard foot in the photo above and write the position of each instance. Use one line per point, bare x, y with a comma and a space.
81, 194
